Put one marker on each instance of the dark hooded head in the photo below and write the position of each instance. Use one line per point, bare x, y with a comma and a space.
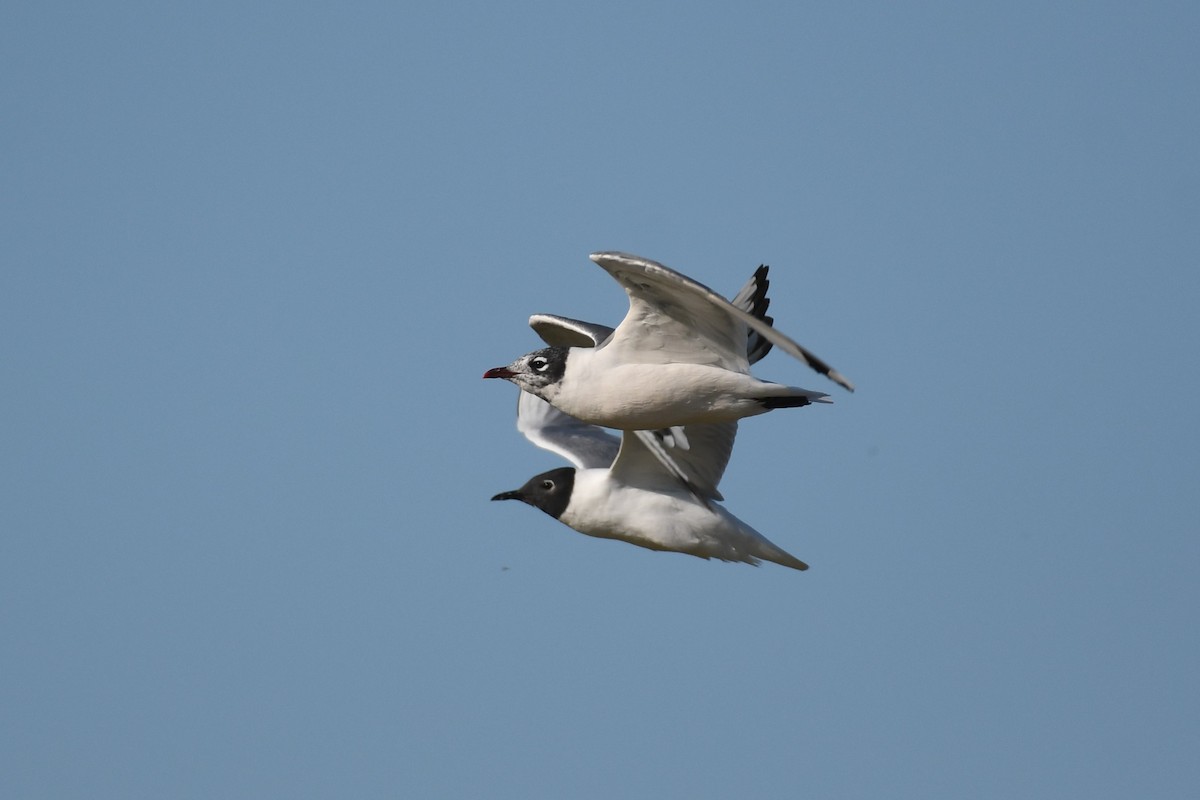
550, 491
535, 371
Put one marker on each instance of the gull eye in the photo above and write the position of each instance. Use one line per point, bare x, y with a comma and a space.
539, 363
548, 485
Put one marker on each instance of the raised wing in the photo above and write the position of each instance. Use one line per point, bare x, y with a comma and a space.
566, 332
586, 446
672, 317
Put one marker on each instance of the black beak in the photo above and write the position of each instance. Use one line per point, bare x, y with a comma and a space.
513, 495
499, 372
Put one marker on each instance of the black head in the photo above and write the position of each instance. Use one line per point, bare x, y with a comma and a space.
534, 371
550, 491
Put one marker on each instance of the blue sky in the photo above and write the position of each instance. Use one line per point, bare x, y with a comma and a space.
256, 259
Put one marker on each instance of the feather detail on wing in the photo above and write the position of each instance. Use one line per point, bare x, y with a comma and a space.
672, 317
699, 467
696, 454
586, 446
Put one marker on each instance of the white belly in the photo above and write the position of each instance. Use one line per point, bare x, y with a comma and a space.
649, 396
660, 520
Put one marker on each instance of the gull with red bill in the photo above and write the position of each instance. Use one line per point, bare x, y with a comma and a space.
678, 358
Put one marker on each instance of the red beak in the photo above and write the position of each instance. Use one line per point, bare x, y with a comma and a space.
499, 372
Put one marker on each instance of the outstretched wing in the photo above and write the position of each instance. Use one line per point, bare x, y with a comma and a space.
673, 318
586, 446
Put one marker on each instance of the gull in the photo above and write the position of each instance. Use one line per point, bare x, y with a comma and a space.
632, 489
669, 445
618, 489
678, 358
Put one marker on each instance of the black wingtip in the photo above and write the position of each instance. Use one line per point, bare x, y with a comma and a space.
840, 380
758, 346
772, 403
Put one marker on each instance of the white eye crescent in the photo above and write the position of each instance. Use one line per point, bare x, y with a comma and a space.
540, 363
548, 485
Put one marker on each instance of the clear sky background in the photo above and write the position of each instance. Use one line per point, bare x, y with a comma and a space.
257, 256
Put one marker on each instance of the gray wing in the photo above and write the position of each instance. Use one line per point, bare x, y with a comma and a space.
672, 317
694, 457
586, 446
644, 462
566, 332
696, 454
672, 320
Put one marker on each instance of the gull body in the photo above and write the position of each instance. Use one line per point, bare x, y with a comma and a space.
633, 498
678, 358
663, 395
